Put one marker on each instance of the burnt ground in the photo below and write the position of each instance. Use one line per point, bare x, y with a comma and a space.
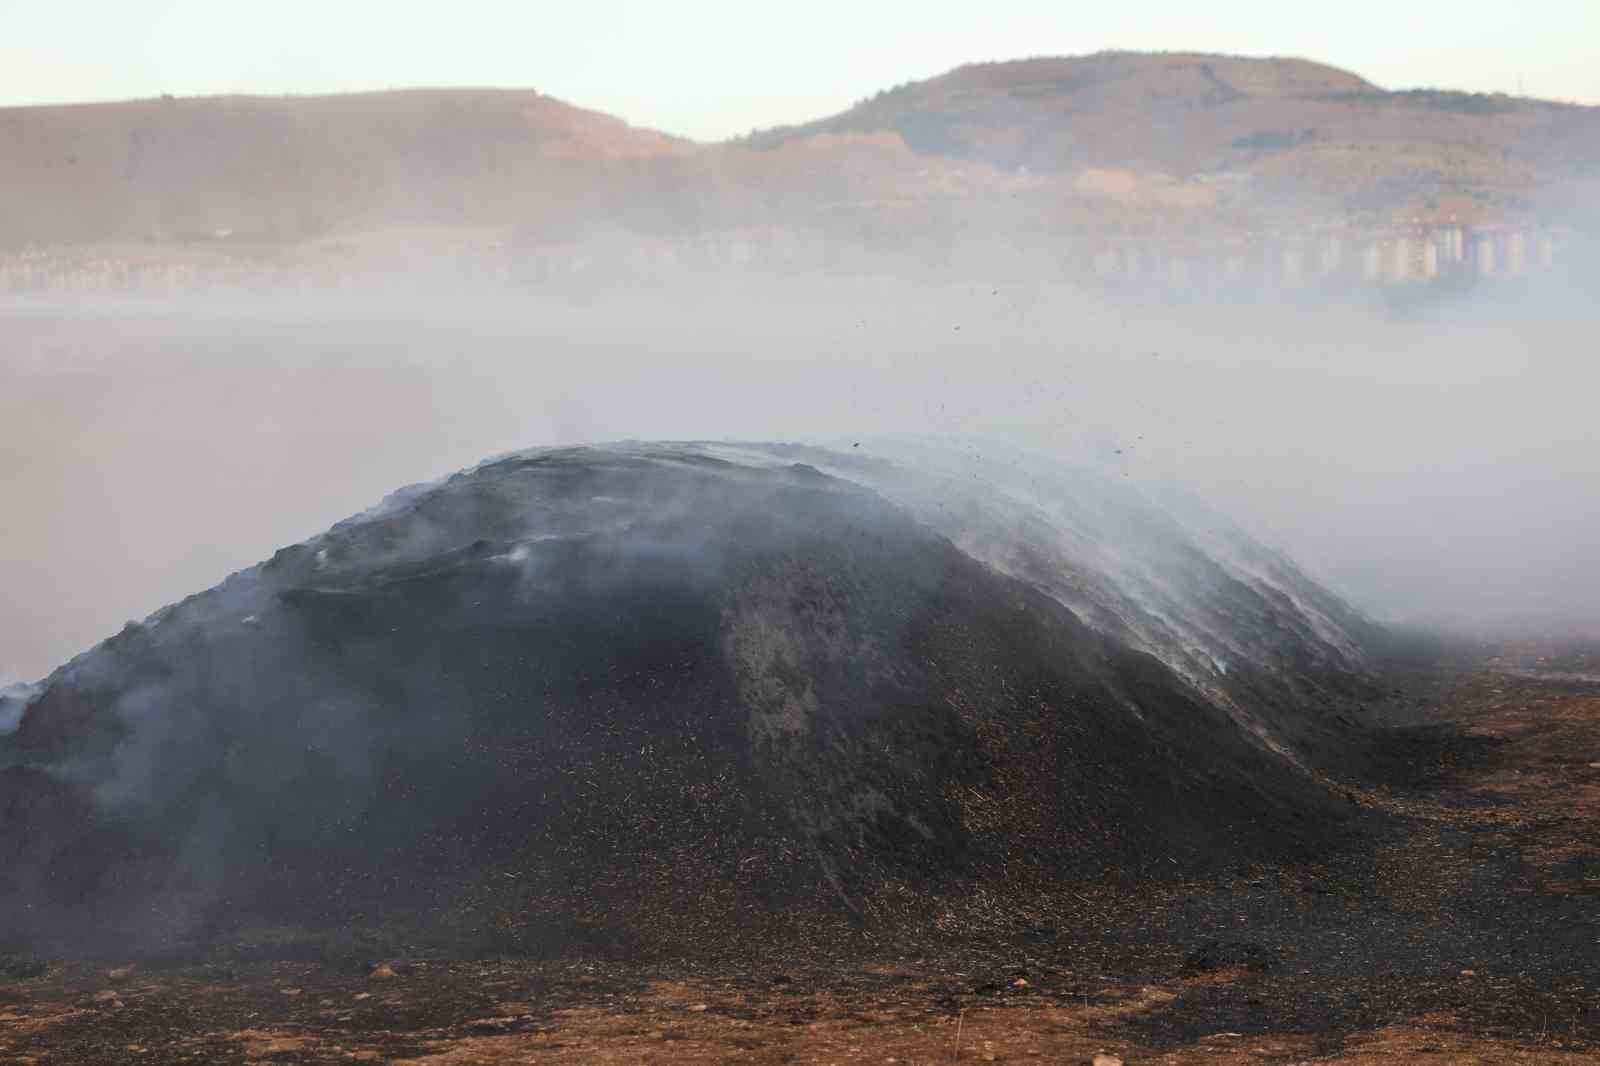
1464, 928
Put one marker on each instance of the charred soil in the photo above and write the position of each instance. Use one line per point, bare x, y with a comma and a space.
1462, 928
700, 751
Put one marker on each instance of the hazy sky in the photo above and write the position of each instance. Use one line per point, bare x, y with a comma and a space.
714, 68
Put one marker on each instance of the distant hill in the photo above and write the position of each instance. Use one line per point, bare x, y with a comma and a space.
1035, 150
1293, 128
284, 168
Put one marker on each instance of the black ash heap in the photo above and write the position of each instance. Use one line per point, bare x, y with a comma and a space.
643, 697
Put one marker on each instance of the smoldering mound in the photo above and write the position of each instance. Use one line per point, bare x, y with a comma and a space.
653, 697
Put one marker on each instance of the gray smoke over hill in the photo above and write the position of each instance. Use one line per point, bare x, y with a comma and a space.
632, 677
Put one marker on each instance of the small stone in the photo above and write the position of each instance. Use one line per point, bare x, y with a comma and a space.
1469, 973
384, 971
121, 973
108, 996
290, 991
698, 1008
363, 995
491, 1024
1106, 1060
1021, 982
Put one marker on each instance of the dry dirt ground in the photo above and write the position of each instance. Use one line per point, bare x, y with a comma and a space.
1466, 931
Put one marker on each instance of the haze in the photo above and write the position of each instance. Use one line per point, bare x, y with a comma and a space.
1435, 470
225, 325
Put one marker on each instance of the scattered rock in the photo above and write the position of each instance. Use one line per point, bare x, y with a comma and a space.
120, 973
384, 971
698, 1008
1021, 982
490, 1024
270, 1044
290, 991
1105, 1060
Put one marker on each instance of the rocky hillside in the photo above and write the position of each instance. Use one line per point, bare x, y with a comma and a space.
660, 697
281, 169
1021, 152
1140, 111
1292, 127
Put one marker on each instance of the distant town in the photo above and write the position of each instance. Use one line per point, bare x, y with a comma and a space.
1417, 254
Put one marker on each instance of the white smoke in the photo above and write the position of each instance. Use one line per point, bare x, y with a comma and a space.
1434, 469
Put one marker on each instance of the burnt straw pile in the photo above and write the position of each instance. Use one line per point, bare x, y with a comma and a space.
656, 697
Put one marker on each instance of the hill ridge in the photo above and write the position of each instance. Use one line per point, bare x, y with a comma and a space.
1084, 145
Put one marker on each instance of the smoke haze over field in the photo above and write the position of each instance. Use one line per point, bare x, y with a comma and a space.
1437, 468
1109, 526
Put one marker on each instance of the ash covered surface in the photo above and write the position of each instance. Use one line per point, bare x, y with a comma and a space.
648, 700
